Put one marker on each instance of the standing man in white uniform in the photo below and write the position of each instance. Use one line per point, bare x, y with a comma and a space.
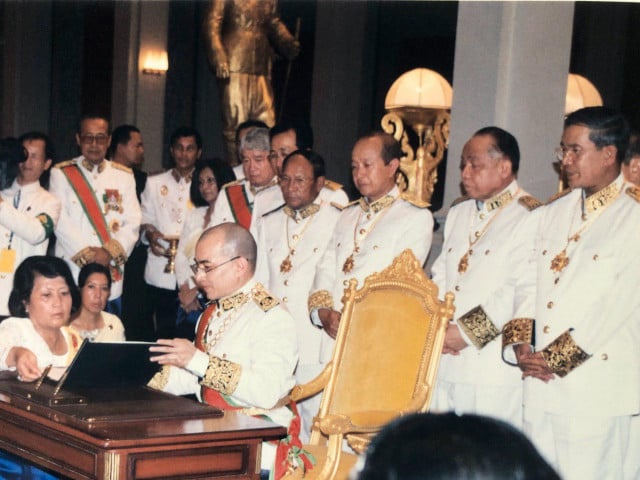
28, 213
580, 358
245, 200
370, 232
306, 222
165, 205
100, 217
286, 137
488, 235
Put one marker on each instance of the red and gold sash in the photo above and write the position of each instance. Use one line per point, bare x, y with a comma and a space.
240, 206
91, 207
289, 452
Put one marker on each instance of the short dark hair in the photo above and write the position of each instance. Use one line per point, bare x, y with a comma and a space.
120, 136
93, 116
221, 170
448, 446
316, 161
91, 268
634, 147
24, 278
390, 146
249, 124
505, 143
606, 127
182, 132
302, 130
49, 150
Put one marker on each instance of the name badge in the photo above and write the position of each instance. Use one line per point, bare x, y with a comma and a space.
7, 260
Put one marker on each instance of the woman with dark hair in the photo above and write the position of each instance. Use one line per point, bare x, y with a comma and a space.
43, 298
208, 178
91, 321
451, 447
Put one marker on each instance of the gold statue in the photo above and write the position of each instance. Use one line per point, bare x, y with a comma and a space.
241, 34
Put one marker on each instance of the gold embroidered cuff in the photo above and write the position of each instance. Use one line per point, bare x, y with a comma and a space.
515, 332
563, 355
116, 251
320, 299
160, 379
222, 375
83, 257
477, 325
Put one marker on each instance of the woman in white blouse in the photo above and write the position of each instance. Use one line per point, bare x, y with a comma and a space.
91, 321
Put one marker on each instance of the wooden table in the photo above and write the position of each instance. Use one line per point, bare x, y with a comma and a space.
117, 437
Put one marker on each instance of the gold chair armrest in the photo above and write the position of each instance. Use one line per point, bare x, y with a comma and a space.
356, 422
306, 390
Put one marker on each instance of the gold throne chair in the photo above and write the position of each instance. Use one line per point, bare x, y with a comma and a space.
384, 364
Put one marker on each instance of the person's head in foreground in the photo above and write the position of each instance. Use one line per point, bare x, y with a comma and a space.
451, 447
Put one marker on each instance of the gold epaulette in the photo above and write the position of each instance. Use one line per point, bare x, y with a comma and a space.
458, 200
342, 207
558, 195
416, 202
120, 166
529, 202
66, 163
263, 299
235, 182
634, 192
331, 185
274, 210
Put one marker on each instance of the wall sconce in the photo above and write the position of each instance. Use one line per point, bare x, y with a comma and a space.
422, 99
580, 93
155, 63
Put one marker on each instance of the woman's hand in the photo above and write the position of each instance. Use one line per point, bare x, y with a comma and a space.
25, 362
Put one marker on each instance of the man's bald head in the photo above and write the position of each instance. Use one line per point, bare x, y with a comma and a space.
232, 240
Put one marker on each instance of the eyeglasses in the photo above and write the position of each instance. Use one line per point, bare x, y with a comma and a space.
199, 267
562, 152
100, 139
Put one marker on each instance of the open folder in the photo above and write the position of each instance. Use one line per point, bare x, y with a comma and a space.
107, 365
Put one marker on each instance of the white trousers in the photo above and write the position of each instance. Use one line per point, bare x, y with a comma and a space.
580, 448
503, 402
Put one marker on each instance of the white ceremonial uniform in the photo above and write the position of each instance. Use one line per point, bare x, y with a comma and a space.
20, 332
252, 363
238, 172
484, 244
273, 197
28, 215
191, 231
585, 272
290, 245
368, 240
115, 191
165, 204
259, 200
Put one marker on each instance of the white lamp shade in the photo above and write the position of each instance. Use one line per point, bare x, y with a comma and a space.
419, 87
580, 93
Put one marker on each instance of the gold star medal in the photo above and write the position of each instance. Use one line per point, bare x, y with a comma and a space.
286, 266
463, 264
348, 264
560, 261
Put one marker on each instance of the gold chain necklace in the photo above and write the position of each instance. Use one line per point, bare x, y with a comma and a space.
209, 344
463, 264
349, 263
286, 264
561, 260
